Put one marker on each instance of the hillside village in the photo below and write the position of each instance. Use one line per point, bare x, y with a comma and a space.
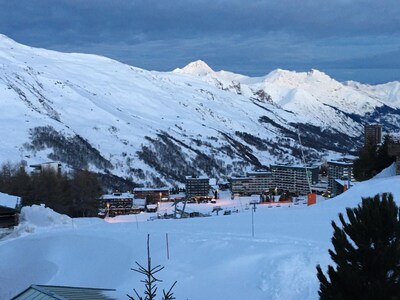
285, 183
280, 184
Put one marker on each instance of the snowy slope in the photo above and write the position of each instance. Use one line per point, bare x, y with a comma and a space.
154, 128
211, 258
314, 95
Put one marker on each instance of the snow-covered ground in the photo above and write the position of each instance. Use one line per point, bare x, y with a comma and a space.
213, 257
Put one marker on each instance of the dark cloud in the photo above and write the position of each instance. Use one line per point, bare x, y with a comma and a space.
247, 36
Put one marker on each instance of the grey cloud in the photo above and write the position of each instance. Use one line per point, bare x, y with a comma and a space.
246, 36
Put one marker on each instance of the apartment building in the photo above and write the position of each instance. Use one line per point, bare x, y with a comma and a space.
255, 182
197, 187
294, 178
340, 173
372, 134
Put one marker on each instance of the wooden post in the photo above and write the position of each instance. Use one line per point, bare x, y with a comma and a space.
166, 237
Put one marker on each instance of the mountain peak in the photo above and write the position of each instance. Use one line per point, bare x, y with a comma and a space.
313, 75
6, 40
198, 67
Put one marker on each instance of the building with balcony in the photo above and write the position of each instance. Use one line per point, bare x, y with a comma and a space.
197, 187
294, 178
239, 185
255, 182
340, 175
372, 134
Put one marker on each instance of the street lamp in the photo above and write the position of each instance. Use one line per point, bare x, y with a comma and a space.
108, 209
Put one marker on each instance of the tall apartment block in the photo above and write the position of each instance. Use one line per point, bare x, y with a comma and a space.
197, 187
294, 178
253, 183
372, 134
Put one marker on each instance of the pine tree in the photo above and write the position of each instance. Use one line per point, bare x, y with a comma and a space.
366, 252
372, 159
151, 280
86, 190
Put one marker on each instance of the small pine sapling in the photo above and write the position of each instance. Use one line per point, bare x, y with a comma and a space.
150, 280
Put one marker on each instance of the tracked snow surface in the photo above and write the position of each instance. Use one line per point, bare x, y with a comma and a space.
212, 257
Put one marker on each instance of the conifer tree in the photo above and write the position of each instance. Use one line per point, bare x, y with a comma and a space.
366, 252
151, 280
372, 159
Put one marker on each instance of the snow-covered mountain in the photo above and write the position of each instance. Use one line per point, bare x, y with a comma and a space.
156, 127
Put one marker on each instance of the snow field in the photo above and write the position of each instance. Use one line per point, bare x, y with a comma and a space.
211, 258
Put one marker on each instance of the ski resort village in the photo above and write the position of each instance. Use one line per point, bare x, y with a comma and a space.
121, 183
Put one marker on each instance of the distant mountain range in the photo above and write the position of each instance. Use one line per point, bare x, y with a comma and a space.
154, 128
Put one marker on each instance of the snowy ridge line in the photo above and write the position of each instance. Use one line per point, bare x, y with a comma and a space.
134, 118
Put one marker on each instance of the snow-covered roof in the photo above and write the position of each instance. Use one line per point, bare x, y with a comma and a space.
294, 166
344, 182
117, 196
341, 162
163, 189
255, 173
196, 177
9, 200
240, 178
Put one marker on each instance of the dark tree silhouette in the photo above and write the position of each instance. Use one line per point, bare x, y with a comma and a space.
372, 159
366, 252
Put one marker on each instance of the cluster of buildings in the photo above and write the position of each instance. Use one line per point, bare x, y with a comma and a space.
142, 199
280, 178
290, 179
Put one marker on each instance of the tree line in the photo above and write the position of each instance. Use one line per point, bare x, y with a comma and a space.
365, 254
372, 159
74, 194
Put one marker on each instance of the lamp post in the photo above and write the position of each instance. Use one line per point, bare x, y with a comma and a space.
108, 210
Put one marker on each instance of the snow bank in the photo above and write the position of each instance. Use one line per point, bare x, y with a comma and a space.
41, 216
388, 172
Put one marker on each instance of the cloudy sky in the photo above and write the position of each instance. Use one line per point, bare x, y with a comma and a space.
347, 39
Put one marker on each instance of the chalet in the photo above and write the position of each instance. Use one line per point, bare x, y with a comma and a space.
50, 292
